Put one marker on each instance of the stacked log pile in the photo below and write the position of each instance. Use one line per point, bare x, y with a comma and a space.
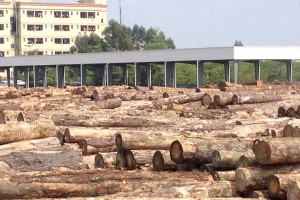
229, 141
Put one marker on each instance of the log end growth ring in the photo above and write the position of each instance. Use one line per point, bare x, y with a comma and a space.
243, 162
67, 135
158, 161
83, 146
216, 158
176, 152
99, 161
235, 99
241, 179
262, 152
60, 137
273, 186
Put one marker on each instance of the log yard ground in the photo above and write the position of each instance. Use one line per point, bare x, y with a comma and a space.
225, 141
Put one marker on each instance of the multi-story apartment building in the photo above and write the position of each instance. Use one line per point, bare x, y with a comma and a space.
47, 28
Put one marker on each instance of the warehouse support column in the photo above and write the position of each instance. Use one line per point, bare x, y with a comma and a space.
60, 76
137, 74
257, 69
8, 76
200, 74
289, 71
170, 74
125, 74
148, 70
83, 75
235, 71
15, 76
227, 71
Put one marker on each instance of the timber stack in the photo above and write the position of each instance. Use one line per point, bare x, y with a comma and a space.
226, 141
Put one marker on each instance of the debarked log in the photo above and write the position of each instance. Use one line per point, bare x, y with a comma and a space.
20, 131
293, 192
256, 178
226, 159
279, 183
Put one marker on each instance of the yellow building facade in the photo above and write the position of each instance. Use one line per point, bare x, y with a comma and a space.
47, 28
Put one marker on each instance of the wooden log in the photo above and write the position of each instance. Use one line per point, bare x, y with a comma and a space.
256, 178
293, 192
26, 131
94, 161
257, 194
224, 175
223, 98
200, 151
246, 161
255, 98
226, 159
161, 161
278, 150
279, 183
110, 103
291, 111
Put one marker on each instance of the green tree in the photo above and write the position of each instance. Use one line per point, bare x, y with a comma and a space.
88, 44
138, 34
117, 37
238, 43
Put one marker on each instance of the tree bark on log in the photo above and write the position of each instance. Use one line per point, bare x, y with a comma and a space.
200, 151
293, 192
224, 175
256, 178
279, 183
226, 159
278, 150
255, 98
26, 131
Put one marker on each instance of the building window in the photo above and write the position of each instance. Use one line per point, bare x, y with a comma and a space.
58, 52
39, 53
57, 40
66, 41
66, 52
30, 13
38, 13
39, 41
30, 40
102, 21
91, 28
1, 13
12, 46
65, 14
57, 27
91, 15
83, 28
30, 27
1, 53
38, 27
57, 14
66, 28
1, 40
83, 14
1, 27
45, 12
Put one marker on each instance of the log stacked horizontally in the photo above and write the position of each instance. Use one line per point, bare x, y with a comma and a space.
226, 141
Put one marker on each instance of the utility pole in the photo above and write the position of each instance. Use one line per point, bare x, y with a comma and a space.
120, 7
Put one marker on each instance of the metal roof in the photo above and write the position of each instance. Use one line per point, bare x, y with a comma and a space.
154, 56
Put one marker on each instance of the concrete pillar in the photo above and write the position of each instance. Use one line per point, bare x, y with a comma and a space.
170, 74
227, 71
8, 76
15, 76
35, 76
148, 71
137, 74
289, 71
44, 76
125, 74
83, 74
257, 69
235, 71
26, 75
200, 74
60, 76
109, 74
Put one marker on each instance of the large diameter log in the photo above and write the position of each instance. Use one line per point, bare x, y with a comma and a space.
256, 178
226, 159
278, 150
293, 192
201, 150
279, 183
26, 131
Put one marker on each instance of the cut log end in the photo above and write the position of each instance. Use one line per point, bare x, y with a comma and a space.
176, 152
158, 161
130, 161
262, 152
60, 138
20, 117
99, 161
281, 112
243, 162
240, 179
287, 131
166, 95
83, 146
67, 136
216, 158
273, 186
120, 159
235, 99
118, 141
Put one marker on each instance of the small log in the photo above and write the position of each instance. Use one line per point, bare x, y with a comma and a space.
110, 103
293, 192
94, 161
224, 175
278, 150
256, 178
161, 161
291, 111
223, 98
255, 98
279, 183
246, 161
226, 159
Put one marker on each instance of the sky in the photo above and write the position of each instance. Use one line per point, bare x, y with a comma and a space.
215, 23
